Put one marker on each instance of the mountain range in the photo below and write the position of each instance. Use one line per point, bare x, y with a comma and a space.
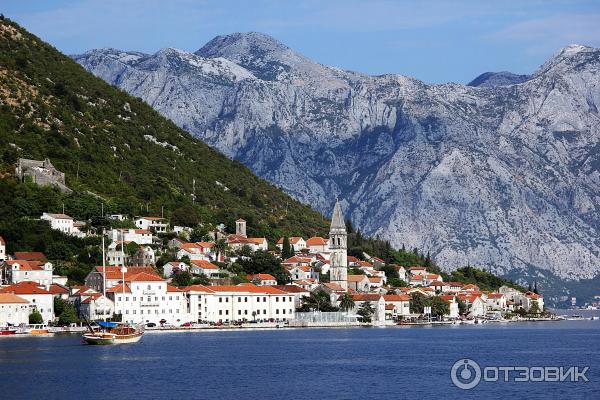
502, 173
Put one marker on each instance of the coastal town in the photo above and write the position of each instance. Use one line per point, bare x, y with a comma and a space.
322, 285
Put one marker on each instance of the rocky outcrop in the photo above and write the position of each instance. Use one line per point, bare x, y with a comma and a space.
502, 175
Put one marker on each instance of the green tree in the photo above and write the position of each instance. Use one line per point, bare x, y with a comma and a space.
535, 308
439, 307
286, 250
182, 279
198, 234
262, 262
318, 300
346, 302
366, 311
68, 316
395, 282
220, 247
462, 306
185, 216
36, 318
59, 306
418, 302
201, 279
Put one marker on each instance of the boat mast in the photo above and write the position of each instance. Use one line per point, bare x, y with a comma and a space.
123, 269
103, 272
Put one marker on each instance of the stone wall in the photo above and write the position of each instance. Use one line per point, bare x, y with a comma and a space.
41, 172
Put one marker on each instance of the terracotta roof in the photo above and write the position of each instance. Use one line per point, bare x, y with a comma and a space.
57, 289
114, 272
356, 278
30, 256
2, 242
205, 244
495, 295
366, 297
316, 241
396, 297
304, 268
143, 277
297, 259
352, 259
375, 279
390, 307
10, 298
25, 265
336, 287
26, 287
119, 289
256, 240
262, 277
171, 288
291, 239
204, 264
438, 283
142, 232
447, 298
290, 288
532, 295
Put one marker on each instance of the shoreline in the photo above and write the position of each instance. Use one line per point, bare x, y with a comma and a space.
337, 325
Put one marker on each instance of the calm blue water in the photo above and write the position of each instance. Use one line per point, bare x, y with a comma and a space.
359, 363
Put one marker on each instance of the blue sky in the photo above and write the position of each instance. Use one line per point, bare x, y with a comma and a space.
436, 41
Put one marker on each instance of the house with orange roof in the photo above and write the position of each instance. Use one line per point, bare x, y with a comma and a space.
173, 267
401, 303
113, 276
375, 282
145, 297
417, 270
198, 267
297, 261
262, 279
15, 271
194, 251
496, 302
14, 310
317, 244
359, 283
377, 302
38, 297
246, 302
302, 272
296, 242
306, 284
453, 306
476, 306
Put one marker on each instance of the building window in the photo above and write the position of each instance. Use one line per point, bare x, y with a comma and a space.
220, 312
220, 299
276, 299
245, 299
277, 311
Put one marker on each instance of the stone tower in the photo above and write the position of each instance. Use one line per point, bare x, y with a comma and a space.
240, 227
338, 246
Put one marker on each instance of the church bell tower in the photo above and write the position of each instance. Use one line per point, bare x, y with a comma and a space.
338, 247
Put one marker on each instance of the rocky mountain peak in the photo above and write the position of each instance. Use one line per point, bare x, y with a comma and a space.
492, 79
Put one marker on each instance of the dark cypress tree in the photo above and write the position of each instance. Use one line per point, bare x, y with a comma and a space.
286, 250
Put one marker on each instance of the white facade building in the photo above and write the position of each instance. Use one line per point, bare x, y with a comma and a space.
38, 297
238, 303
156, 224
2, 249
63, 223
16, 271
14, 310
148, 298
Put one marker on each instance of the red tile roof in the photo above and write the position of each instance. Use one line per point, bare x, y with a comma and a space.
396, 297
26, 287
204, 264
58, 289
292, 240
316, 241
30, 256
262, 277
2, 242
10, 298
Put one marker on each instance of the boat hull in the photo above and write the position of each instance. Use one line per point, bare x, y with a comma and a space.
124, 339
105, 339
5, 332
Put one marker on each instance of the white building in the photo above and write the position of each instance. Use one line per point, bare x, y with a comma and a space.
115, 255
144, 255
63, 223
38, 297
262, 279
139, 236
14, 310
297, 243
114, 276
16, 271
195, 251
317, 244
207, 268
377, 302
148, 298
401, 304
155, 224
238, 303
173, 267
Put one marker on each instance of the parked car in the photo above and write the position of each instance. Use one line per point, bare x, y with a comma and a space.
186, 324
150, 325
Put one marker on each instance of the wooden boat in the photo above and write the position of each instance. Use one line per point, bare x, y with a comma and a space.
112, 333
99, 338
126, 334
